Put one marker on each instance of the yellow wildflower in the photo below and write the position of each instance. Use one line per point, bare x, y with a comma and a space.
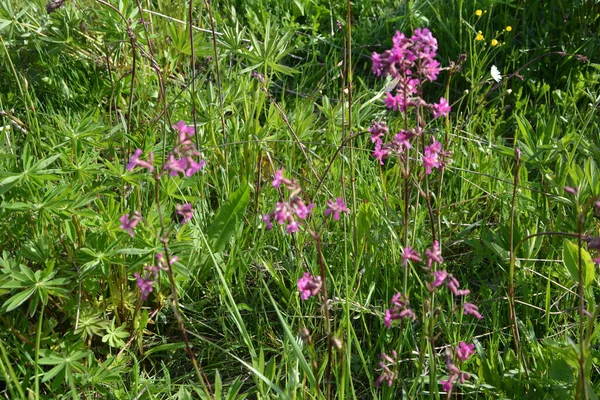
508, 28
479, 36
479, 13
494, 42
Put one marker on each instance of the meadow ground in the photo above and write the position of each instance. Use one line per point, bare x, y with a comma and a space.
299, 199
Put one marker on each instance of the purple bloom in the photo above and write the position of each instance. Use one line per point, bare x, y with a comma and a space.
292, 227
409, 254
387, 375
440, 277
434, 254
194, 166
571, 190
145, 284
402, 140
453, 285
302, 210
135, 161
471, 309
381, 152
184, 210
278, 178
464, 351
267, 219
447, 385
309, 285
430, 68
394, 102
176, 166
441, 108
399, 310
182, 159
434, 157
377, 130
186, 132
336, 207
128, 224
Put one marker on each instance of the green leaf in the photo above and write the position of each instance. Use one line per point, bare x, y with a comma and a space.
18, 299
229, 214
165, 347
571, 260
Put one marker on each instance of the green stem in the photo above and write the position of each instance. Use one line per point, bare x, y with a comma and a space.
38, 340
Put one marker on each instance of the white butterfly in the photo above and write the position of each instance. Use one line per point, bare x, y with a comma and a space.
496, 74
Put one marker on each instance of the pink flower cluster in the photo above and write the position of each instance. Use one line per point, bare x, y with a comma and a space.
463, 351
128, 224
185, 210
146, 282
400, 143
309, 285
286, 212
336, 207
387, 375
410, 61
399, 310
135, 161
182, 159
434, 157
433, 257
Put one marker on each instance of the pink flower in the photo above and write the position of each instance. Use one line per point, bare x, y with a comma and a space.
434, 254
278, 179
409, 254
128, 224
471, 309
394, 102
145, 284
186, 132
464, 351
184, 210
399, 310
377, 130
336, 207
302, 210
135, 161
440, 277
267, 219
292, 227
441, 108
453, 285
387, 375
434, 157
571, 190
381, 152
402, 140
309, 285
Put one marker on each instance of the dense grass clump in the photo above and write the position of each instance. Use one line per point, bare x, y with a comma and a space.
305, 199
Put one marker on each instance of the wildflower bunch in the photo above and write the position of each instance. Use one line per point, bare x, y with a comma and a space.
399, 310
182, 159
127, 223
387, 375
309, 285
463, 352
434, 257
146, 281
287, 212
411, 62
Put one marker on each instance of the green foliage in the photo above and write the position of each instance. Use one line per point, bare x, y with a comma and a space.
84, 85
